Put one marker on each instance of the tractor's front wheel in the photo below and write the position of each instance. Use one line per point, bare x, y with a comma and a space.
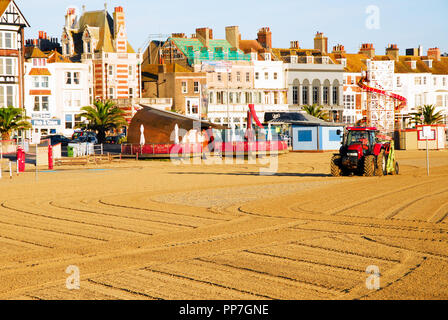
369, 166
381, 165
336, 163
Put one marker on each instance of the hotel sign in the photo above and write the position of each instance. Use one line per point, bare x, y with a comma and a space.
46, 122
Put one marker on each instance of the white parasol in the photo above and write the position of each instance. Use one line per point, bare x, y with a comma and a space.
142, 135
269, 132
176, 134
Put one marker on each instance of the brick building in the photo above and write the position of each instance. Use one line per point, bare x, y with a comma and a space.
12, 24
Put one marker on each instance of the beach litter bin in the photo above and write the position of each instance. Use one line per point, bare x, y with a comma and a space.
70, 151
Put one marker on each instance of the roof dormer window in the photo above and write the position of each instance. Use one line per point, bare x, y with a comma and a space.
267, 57
310, 60
294, 59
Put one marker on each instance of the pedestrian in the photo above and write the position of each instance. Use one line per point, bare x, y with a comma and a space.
204, 138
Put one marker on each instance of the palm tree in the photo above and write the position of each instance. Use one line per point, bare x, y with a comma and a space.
12, 119
315, 111
429, 115
102, 117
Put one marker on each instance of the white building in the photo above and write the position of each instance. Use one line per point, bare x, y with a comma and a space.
56, 90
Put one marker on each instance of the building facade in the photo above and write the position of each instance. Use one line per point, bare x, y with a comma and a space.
56, 90
12, 24
100, 41
313, 78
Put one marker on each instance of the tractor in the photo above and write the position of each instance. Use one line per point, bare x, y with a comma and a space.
364, 152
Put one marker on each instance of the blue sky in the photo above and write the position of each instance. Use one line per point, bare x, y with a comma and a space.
408, 23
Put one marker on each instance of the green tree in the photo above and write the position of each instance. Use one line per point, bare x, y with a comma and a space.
12, 119
430, 116
316, 111
102, 117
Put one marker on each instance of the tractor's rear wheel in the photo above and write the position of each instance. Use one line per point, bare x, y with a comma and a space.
336, 170
381, 165
369, 166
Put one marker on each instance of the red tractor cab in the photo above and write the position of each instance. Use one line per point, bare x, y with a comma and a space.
364, 152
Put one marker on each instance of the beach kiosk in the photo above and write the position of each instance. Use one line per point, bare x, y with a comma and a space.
310, 134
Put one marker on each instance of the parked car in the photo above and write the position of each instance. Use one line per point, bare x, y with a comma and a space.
56, 139
81, 133
86, 139
115, 139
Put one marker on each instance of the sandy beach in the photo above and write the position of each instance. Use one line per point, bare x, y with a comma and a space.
156, 230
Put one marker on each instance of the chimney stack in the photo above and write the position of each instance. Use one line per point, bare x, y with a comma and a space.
339, 49
321, 43
233, 36
295, 45
434, 54
204, 35
367, 49
393, 52
264, 37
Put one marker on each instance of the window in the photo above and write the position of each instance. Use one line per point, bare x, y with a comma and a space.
275, 75
418, 81
131, 93
257, 76
398, 82
349, 102
2, 96
68, 121
211, 97
184, 87
36, 104
247, 76
8, 40
67, 48
248, 97
111, 93
315, 95
45, 104
111, 70
424, 80
229, 77
78, 120
10, 96
238, 97
196, 87
444, 81
131, 71
266, 76
68, 78
9, 67
238, 76
335, 95
44, 82
305, 95
219, 76
41, 103
76, 77
36, 82
418, 100
231, 97
325, 95
435, 81
295, 95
